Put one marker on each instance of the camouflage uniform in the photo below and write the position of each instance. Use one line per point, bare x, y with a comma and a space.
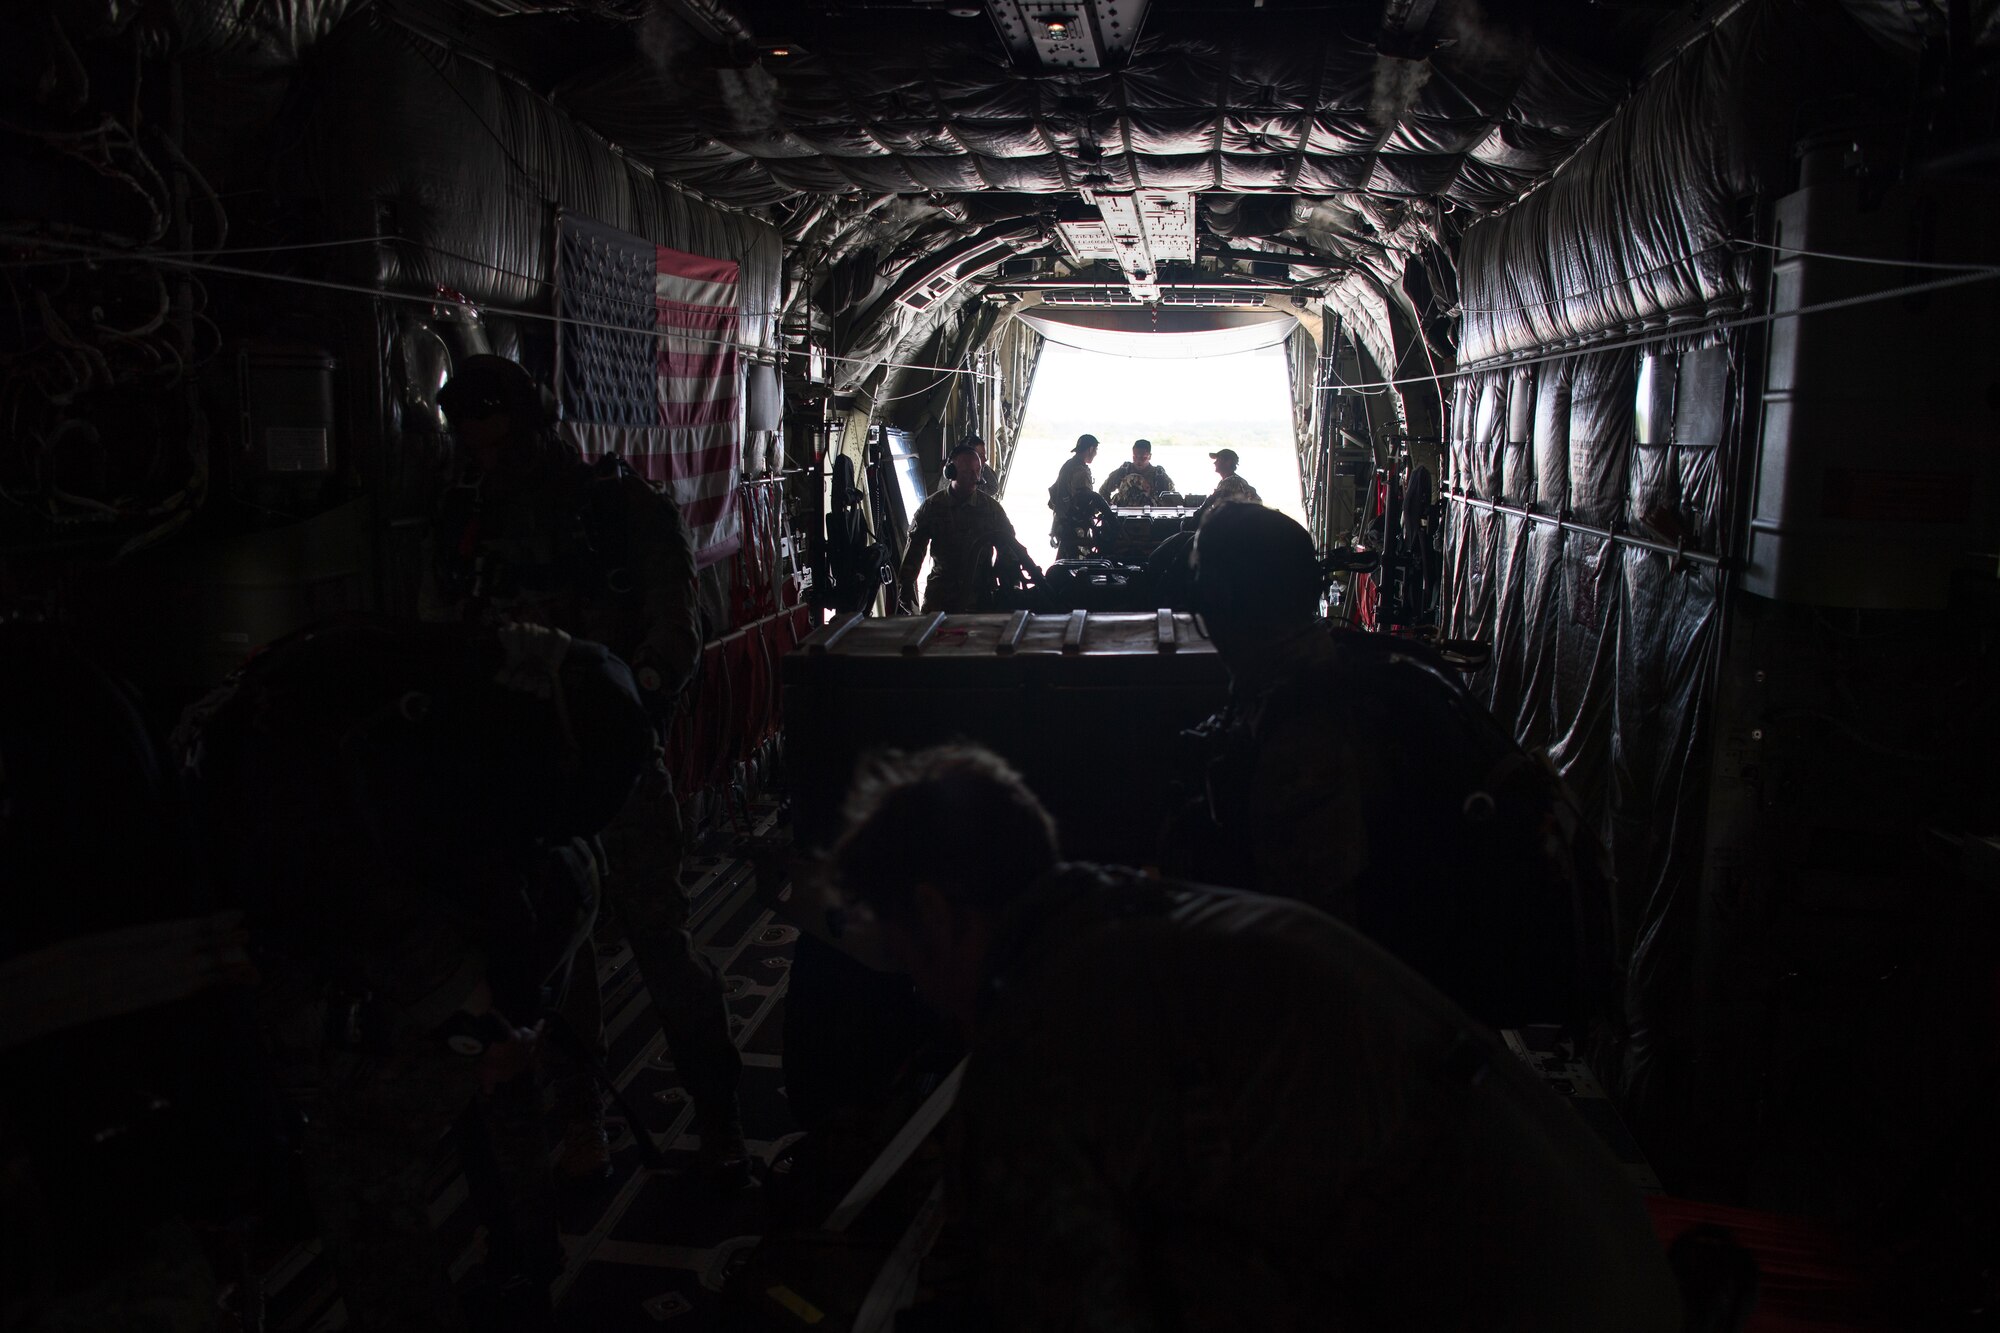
1193, 1109
1351, 774
645, 846
592, 550
1233, 489
376, 1106
404, 830
373, 1116
963, 537
1071, 481
597, 551
1129, 484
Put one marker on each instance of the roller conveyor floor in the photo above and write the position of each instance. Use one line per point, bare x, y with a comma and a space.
644, 1248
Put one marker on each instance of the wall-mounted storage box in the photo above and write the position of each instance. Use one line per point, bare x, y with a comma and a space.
287, 396
1089, 706
1879, 466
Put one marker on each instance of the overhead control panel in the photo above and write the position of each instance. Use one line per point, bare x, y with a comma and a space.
1137, 231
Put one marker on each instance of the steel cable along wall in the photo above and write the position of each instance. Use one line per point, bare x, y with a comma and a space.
1602, 648
1590, 492
940, 406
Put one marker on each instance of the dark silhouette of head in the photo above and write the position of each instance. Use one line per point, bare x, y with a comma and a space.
962, 469
482, 386
1257, 576
497, 411
938, 843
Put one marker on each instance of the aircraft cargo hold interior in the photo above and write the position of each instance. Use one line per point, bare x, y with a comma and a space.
999, 664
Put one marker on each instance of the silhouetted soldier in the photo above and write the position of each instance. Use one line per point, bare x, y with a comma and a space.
538, 535
1141, 481
1350, 772
1071, 481
402, 810
1187, 1108
970, 541
1231, 486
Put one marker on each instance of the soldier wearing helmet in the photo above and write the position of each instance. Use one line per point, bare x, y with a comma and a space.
535, 534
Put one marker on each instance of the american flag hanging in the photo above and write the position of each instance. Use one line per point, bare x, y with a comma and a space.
648, 367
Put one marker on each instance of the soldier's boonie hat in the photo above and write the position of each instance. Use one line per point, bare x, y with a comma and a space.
1228, 454
482, 385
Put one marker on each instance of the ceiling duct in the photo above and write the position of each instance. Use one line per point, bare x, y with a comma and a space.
716, 20
1154, 332
1069, 34
1216, 299
942, 277
1409, 29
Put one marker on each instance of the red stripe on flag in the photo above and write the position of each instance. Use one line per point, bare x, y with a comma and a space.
705, 556
653, 467
688, 364
693, 334
707, 509
683, 416
669, 465
686, 315
718, 459
701, 268
688, 393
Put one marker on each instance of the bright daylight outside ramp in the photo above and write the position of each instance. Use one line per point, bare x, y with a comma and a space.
1188, 406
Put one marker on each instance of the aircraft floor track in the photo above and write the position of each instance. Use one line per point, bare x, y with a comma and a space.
645, 1249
